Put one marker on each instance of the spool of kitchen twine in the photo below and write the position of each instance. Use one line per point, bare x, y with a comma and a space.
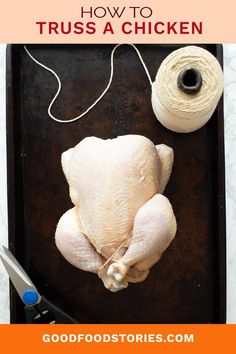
187, 88
185, 93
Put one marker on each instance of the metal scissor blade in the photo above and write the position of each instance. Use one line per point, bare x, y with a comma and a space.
16, 264
18, 276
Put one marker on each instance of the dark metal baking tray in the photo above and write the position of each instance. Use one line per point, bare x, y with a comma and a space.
188, 284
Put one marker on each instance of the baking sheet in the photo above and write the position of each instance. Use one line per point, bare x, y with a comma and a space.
188, 284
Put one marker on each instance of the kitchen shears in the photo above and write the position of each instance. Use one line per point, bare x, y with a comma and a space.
37, 308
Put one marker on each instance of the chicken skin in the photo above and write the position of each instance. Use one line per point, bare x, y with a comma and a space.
121, 222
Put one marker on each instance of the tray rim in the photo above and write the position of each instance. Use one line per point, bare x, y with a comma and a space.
11, 187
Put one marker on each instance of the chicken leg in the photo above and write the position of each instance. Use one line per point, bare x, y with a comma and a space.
154, 229
78, 250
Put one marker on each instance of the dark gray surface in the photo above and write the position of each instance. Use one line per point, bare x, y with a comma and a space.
188, 283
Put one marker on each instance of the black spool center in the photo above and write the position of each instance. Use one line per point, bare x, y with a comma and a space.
190, 81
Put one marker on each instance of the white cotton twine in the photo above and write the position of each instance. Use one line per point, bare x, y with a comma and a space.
175, 109
179, 111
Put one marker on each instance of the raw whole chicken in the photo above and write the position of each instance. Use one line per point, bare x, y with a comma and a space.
121, 223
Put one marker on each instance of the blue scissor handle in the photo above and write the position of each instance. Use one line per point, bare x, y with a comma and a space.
30, 297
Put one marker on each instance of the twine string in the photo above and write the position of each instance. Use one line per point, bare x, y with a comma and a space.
100, 96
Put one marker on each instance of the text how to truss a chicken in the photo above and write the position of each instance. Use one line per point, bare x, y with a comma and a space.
121, 222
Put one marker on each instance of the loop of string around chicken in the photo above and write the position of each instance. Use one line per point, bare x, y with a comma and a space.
103, 92
110, 258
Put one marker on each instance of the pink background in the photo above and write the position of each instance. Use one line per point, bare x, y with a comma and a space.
18, 18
